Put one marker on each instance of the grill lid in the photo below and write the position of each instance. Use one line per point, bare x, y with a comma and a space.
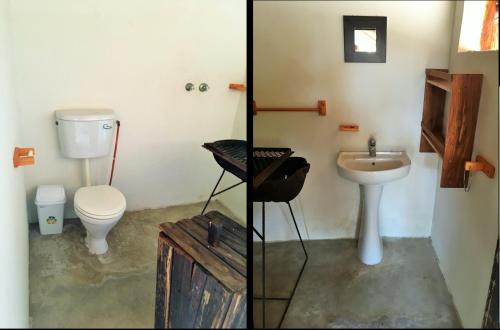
230, 155
233, 151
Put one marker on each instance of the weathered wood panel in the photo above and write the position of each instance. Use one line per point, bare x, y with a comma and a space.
213, 307
215, 266
223, 251
164, 261
229, 224
199, 285
236, 314
227, 236
182, 267
160, 306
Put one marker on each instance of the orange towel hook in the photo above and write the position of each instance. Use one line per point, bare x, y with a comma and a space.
481, 164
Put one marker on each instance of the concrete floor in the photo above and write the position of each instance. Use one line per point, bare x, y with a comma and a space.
70, 288
406, 290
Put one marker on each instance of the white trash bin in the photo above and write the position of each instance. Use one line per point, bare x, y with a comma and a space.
50, 200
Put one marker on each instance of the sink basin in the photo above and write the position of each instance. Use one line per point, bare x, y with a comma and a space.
371, 173
359, 167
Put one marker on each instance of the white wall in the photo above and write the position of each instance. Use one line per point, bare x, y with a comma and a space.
135, 57
465, 226
299, 59
13, 219
236, 198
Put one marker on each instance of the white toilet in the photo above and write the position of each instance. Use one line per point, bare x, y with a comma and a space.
84, 134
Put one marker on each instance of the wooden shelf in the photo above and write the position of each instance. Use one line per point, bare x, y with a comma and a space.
435, 140
455, 148
439, 78
443, 84
320, 109
438, 73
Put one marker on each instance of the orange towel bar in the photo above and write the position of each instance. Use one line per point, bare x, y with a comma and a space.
320, 109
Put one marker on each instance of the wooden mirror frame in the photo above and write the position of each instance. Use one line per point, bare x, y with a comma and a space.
351, 23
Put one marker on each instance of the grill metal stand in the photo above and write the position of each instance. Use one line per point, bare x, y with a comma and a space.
219, 192
263, 239
277, 178
231, 155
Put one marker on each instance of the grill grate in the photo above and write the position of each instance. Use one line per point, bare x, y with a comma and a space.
231, 155
235, 149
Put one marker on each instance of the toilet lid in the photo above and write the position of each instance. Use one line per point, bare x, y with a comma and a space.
100, 201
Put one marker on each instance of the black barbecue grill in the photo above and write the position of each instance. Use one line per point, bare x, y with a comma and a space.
285, 183
277, 178
231, 155
266, 160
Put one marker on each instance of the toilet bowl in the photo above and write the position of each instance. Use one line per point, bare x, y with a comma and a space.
99, 208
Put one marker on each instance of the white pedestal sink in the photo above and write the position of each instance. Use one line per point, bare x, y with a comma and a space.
371, 173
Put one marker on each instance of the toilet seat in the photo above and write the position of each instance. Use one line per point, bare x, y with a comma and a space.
94, 216
99, 202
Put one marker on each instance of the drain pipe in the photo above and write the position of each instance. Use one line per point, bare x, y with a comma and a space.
86, 172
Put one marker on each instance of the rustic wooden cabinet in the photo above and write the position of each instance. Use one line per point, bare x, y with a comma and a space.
455, 146
200, 285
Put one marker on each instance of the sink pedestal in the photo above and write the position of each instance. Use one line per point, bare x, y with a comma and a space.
371, 173
369, 242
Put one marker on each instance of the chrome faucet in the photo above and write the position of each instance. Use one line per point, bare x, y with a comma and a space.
372, 147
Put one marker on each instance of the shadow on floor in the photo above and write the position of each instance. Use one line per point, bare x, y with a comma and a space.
406, 290
71, 288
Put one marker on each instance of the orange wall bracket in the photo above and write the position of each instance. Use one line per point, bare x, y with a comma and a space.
482, 165
320, 109
23, 156
239, 87
349, 128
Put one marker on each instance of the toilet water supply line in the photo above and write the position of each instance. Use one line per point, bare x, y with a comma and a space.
114, 153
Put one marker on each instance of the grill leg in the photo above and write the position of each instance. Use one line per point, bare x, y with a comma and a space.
298, 232
263, 265
263, 298
213, 191
301, 270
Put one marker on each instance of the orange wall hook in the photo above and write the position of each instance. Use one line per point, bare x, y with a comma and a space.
481, 164
349, 128
23, 156
239, 87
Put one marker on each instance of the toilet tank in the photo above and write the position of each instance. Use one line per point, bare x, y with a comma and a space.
85, 133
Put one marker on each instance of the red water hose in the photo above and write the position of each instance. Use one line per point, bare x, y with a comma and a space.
114, 153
